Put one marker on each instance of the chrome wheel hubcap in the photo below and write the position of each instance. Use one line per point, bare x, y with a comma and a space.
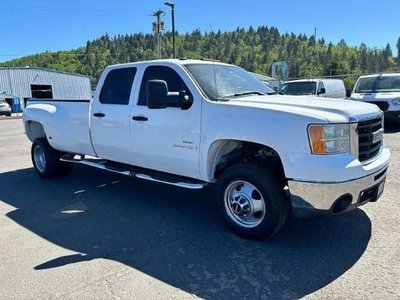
39, 158
244, 204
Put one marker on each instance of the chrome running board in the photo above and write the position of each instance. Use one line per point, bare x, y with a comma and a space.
140, 173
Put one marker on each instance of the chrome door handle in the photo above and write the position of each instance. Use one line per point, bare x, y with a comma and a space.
99, 115
139, 118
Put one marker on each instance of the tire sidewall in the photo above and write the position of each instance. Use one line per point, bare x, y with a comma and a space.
52, 158
272, 194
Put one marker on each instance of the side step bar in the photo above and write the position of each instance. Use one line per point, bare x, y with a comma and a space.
132, 171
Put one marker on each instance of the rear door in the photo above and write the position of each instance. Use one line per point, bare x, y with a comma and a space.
110, 115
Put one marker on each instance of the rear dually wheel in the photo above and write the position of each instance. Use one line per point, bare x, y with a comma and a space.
46, 160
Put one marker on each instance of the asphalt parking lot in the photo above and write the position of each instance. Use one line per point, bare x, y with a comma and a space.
98, 235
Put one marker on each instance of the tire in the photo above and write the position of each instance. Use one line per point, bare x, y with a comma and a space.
46, 160
252, 201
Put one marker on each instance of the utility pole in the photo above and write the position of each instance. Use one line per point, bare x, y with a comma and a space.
315, 36
157, 27
172, 5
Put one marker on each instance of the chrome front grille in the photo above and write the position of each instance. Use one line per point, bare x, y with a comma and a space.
370, 138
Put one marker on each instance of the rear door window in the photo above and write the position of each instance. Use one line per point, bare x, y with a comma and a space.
117, 86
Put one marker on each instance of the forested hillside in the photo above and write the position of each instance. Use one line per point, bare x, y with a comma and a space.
253, 49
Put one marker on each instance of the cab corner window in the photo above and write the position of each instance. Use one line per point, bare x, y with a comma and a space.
117, 86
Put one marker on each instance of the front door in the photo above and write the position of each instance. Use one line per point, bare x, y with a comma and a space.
167, 139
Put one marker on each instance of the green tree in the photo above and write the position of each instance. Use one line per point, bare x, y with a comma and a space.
255, 49
398, 51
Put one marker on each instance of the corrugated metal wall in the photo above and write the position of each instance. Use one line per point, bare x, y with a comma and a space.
17, 81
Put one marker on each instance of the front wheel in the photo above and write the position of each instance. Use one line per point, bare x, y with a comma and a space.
252, 201
46, 160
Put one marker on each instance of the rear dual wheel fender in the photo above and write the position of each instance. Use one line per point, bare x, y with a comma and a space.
252, 201
46, 160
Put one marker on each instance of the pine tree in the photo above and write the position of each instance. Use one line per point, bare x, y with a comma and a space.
387, 58
398, 51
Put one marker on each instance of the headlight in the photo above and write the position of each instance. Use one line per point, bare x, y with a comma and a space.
396, 101
329, 139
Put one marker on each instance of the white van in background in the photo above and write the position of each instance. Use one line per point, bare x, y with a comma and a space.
330, 88
382, 90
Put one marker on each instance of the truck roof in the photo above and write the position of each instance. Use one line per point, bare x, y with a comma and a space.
180, 61
380, 74
312, 80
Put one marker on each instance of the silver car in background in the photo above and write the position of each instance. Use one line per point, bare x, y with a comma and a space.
5, 108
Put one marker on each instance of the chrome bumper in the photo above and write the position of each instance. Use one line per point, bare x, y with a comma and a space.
323, 196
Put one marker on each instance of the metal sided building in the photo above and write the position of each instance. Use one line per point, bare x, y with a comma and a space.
20, 84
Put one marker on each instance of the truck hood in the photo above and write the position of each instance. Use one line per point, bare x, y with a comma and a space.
375, 96
330, 110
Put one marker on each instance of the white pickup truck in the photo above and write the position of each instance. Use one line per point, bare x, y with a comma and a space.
382, 90
193, 123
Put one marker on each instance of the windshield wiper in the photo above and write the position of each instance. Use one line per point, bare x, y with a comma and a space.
276, 93
248, 93
227, 97
241, 94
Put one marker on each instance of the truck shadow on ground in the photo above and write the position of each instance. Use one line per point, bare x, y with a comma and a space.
176, 236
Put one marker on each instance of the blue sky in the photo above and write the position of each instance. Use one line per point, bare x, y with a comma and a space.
30, 27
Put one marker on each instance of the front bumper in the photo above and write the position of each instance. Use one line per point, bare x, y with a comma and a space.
5, 112
325, 196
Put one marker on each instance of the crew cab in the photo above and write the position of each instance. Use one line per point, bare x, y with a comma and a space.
193, 123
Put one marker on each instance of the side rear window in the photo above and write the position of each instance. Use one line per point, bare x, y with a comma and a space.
173, 80
117, 86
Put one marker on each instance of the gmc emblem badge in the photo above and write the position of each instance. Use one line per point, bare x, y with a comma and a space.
377, 136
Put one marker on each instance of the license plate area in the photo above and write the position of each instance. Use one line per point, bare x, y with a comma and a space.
372, 194
381, 187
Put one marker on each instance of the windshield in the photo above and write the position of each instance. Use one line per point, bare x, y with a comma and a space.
226, 81
378, 84
299, 88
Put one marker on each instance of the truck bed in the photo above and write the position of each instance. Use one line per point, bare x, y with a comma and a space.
66, 123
